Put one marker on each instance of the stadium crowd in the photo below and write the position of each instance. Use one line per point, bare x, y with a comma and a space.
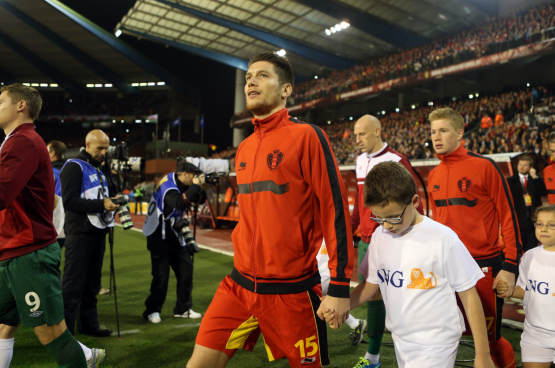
408, 131
530, 25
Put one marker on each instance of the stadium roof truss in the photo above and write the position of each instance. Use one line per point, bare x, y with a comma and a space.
45, 42
428, 18
288, 20
242, 28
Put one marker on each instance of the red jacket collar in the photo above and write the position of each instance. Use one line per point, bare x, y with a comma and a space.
271, 122
24, 126
454, 156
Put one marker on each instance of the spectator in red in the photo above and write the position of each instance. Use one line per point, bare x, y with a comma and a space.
486, 121
499, 120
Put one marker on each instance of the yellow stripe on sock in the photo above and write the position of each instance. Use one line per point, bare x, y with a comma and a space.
240, 335
270, 355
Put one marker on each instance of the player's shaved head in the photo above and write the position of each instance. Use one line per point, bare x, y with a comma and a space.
368, 131
96, 144
368, 122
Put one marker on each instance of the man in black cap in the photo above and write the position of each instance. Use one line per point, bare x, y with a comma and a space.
167, 239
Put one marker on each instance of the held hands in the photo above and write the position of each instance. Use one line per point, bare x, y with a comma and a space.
505, 278
334, 310
326, 314
502, 287
109, 205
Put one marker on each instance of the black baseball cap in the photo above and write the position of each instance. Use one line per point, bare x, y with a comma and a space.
184, 166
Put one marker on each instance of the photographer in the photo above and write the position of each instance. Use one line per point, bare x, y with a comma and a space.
168, 241
89, 213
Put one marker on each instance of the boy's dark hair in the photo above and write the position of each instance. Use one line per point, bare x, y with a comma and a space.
544, 208
31, 96
57, 147
282, 66
388, 182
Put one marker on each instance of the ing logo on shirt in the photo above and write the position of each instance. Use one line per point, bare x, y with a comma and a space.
464, 184
418, 281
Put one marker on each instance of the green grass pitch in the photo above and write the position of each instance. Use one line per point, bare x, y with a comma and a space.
170, 343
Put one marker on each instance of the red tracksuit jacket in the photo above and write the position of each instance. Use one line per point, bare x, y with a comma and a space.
290, 194
469, 193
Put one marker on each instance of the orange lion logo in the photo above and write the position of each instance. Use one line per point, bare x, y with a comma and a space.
418, 281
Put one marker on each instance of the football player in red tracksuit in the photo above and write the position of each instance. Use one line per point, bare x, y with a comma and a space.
469, 193
368, 131
549, 171
290, 195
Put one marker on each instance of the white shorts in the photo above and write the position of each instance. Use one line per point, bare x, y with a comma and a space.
325, 280
410, 355
324, 272
537, 345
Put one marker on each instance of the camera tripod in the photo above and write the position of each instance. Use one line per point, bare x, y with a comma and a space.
113, 286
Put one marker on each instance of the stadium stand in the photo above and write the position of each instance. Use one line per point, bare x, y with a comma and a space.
531, 25
408, 132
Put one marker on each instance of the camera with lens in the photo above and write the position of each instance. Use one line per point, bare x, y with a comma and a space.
213, 178
182, 228
123, 212
117, 158
213, 169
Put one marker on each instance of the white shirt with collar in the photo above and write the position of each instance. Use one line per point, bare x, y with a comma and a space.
527, 176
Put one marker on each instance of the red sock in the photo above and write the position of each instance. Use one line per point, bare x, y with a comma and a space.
502, 353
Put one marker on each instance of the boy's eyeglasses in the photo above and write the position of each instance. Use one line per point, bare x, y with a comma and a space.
549, 226
393, 220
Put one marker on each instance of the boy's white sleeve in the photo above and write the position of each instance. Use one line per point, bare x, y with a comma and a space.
372, 276
461, 270
523, 270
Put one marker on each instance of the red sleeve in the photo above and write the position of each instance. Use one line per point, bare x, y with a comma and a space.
322, 174
18, 162
501, 196
355, 217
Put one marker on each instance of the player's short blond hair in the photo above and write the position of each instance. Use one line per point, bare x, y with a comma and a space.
447, 113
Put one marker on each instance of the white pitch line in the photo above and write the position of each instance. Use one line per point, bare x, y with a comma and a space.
506, 322
115, 333
515, 325
226, 252
216, 250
